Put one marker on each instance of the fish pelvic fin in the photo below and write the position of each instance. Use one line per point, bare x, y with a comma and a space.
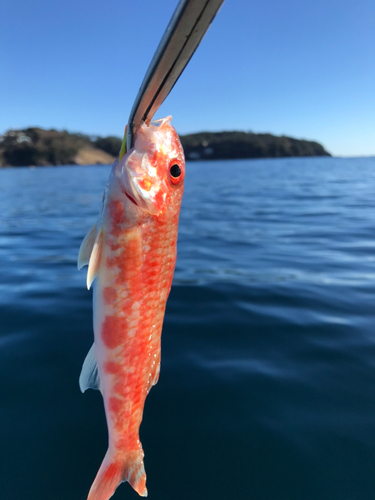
89, 378
116, 470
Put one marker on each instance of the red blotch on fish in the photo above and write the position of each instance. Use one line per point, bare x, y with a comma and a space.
115, 405
109, 295
112, 368
117, 216
113, 328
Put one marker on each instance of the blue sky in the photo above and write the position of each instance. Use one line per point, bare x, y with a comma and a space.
300, 68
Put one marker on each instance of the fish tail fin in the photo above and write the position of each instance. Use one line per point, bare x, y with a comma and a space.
117, 469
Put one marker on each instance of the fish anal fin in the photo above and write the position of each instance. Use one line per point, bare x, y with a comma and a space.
116, 470
95, 259
89, 378
86, 247
154, 376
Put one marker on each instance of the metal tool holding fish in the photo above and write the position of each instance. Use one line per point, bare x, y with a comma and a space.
131, 255
184, 33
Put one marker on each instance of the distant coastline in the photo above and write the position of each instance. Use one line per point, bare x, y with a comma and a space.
236, 145
35, 146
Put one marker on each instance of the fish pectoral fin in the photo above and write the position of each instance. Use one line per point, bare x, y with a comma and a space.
86, 247
95, 259
89, 378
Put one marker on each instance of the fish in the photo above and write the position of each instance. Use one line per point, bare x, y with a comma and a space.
131, 254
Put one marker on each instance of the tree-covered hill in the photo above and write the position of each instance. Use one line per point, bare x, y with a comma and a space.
36, 146
231, 145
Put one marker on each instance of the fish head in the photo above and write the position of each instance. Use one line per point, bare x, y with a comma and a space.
152, 173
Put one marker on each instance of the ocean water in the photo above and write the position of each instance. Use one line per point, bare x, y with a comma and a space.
267, 385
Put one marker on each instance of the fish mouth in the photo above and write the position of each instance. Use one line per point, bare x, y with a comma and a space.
139, 182
130, 197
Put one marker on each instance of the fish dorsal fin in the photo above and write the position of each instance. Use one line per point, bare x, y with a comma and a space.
89, 253
86, 247
89, 378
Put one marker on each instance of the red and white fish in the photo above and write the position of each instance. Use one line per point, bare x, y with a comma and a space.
131, 251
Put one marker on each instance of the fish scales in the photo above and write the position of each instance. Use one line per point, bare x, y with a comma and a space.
133, 257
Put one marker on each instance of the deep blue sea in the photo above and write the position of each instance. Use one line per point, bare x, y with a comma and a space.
267, 385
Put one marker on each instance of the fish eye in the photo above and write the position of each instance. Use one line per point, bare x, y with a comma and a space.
175, 171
